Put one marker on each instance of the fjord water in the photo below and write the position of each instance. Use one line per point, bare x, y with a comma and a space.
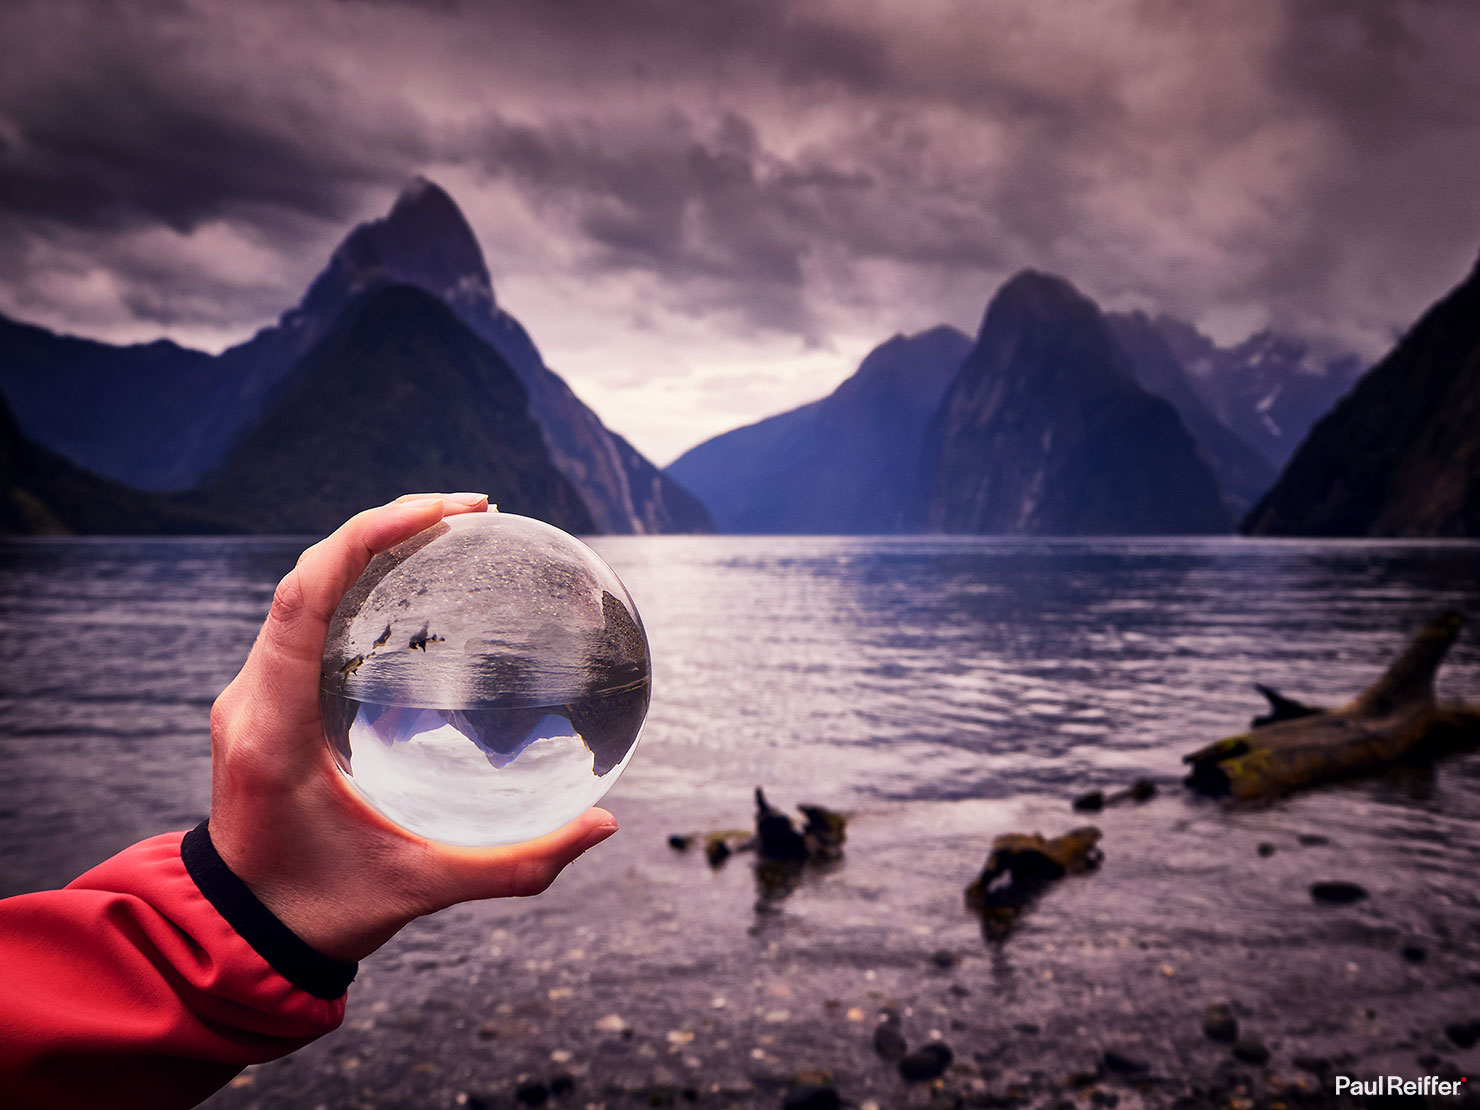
938, 690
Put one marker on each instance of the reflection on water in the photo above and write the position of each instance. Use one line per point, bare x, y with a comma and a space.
939, 690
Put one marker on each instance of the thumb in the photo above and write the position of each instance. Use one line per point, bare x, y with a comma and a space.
520, 870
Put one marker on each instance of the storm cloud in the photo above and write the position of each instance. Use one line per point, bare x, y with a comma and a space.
707, 212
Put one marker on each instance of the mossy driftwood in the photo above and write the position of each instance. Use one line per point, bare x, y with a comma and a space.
1297, 745
1020, 867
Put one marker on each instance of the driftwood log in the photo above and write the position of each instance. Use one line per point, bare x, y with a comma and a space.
1296, 745
1020, 867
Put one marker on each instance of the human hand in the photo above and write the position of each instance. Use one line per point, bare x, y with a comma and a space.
283, 818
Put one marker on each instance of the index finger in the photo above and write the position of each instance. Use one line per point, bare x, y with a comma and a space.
291, 644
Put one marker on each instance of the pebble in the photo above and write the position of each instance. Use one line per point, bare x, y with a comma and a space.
1337, 892
889, 1040
1415, 953
1123, 1063
813, 1096
1219, 1024
716, 852
1250, 1050
612, 1023
680, 843
532, 1093
1464, 1034
1266, 849
562, 1083
926, 1062
1092, 802
1143, 790
944, 958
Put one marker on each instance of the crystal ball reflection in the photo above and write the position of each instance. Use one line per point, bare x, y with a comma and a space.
484, 681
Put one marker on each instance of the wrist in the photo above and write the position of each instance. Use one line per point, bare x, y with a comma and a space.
279, 939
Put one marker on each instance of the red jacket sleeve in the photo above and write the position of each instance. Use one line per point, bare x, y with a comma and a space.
150, 981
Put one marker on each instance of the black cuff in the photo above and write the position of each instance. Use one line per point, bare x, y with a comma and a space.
306, 968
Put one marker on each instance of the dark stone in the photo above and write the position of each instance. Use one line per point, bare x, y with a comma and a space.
824, 833
1142, 790
1312, 840
562, 1083
1415, 953
1266, 849
532, 1093
1027, 1028
1250, 1050
716, 851
1316, 1065
680, 843
1104, 1098
813, 1096
926, 1062
889, 1040
1219, 1024
1092, 802
944, 958
1122, 1063
1337, 892
776, 837
1463, 1034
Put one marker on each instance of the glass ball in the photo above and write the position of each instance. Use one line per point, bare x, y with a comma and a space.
484, 682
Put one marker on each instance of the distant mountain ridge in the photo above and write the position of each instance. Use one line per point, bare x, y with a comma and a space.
1038, 426
1045, 431
42, 493
848, 463
1269, 389
1400, 454
161, 417
1243, 473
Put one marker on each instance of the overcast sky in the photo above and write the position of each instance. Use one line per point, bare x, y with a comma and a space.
706, 211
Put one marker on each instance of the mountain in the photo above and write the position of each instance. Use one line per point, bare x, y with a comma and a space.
184, 411
849, 463
1242, 472
1046, 432
1270, 389
43, 493
1400, 454
137, 414
399, 395
425, 241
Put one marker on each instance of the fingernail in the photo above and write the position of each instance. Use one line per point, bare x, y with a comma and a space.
596, 836
467, 498
421, 504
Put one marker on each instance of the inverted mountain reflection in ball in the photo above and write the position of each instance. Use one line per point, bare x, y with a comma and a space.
484, 681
